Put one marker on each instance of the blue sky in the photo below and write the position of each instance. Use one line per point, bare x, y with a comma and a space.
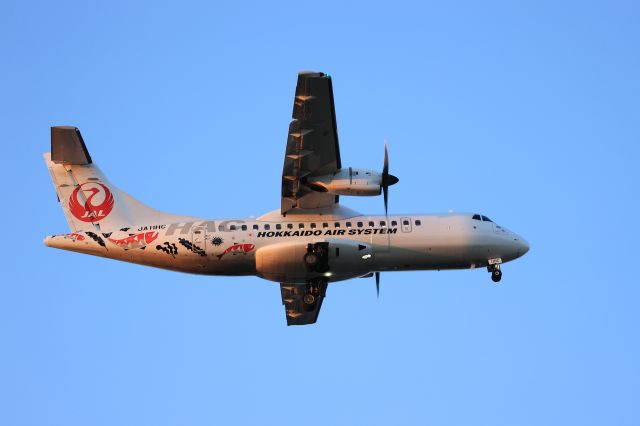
524, 111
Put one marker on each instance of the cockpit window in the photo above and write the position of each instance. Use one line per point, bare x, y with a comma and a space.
476, 217
486, 219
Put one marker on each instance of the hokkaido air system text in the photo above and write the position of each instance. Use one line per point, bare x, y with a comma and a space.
331, 232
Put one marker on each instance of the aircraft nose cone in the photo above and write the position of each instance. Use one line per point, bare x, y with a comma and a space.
523, 246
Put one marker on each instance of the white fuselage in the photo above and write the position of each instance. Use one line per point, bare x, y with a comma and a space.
273, 249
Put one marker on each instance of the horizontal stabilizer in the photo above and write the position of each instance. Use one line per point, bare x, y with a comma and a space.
67, 146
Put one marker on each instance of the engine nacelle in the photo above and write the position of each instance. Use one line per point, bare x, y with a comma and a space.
287, 262
361, 182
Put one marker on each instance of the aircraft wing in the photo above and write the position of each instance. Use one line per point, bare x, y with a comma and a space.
297, 311
312, 143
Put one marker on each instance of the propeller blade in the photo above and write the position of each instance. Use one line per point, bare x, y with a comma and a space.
385, 194
385, 186
385, 167
387, 179
378, 284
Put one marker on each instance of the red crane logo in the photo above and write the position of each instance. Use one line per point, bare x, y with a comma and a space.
98, 202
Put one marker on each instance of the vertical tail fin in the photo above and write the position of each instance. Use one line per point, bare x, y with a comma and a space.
87, 198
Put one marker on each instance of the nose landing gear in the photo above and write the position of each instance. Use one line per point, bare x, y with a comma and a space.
494, 269
496, 275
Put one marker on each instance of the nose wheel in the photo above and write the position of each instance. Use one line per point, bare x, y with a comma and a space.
496, 273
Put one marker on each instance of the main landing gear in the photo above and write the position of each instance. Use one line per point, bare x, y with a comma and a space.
314, 292
316, 259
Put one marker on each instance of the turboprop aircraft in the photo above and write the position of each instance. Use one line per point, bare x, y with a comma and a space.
310, 241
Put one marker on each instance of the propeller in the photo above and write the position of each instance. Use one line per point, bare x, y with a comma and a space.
387, 179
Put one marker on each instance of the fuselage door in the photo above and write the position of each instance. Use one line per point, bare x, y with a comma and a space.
405, 224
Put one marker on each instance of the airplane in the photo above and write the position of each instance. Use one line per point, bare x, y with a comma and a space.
310, 241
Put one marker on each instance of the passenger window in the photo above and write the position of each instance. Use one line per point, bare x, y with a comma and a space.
244, 227
383, 223
337, 224
267, 227
313, 226
255, 226
486, 219
359, 224
278, 226
325, 225
418, 222
394, 223
301, 226
232, 227
289, 225
476, 217
348, 224
372, 223
405, 222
